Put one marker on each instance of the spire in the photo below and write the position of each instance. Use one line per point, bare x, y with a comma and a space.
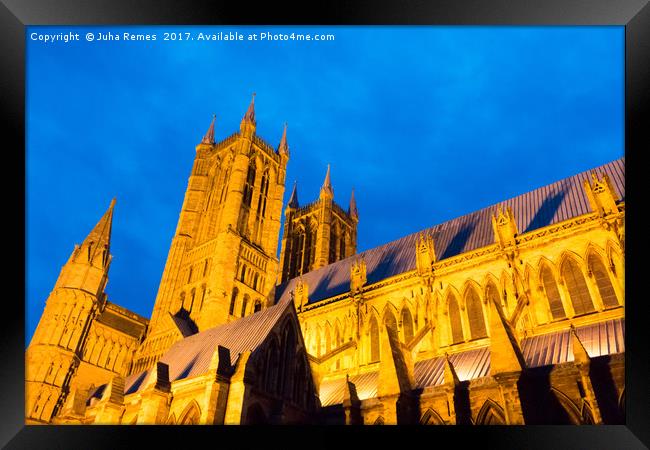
352, 210
327, 190
283, 148
101, 234
293, 200
250, 112
209, 135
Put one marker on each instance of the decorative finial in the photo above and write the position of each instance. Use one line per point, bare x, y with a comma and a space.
209, 135
250, 112
293, 200
283, 148
327, 190
352, 210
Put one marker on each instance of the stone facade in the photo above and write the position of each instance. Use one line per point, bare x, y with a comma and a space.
510, 315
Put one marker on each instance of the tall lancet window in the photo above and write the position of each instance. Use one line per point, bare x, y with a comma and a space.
261, 207
300, 252
308, 249
603, 282
334, 238
552, 294
264, 191
455, 323
312, 249
577, 287
224, 185
250, 183
373, 335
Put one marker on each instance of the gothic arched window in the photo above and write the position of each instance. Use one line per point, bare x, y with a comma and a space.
250, 184
475, 315
407, 324
374, 340
307, 248
233, 299
224, 186
264, 191
455, 324
244, 305
577, 287
603, 282
552, 293
333, 243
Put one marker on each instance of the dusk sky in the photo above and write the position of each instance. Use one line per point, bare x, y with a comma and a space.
426, 123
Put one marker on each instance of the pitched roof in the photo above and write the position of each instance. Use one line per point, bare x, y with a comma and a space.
541, 207
191, 356
599, 339
184, 323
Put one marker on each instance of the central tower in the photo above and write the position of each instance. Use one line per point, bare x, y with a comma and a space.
317, 234
222, 261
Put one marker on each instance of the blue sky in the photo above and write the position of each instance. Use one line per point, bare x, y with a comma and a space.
426, 123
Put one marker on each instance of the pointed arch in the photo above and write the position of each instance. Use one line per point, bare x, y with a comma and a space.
586, 416
569, 407
379, 421
614, 257
389, 317
346, 329
328, 337
475, 316
576, 285
288, 346
171, 420
338, 336
455, 322
492, 293
317, 340
272, 366
505, 283
430, 417
602, 280
549, 284
244, 305
490, 414
373, 339
407, 323
191, 415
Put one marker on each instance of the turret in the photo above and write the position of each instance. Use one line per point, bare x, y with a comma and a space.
248, 125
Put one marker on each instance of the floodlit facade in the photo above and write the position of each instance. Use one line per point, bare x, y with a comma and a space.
513, 314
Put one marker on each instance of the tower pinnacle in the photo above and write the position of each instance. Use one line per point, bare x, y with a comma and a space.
293, 200
352, 210
101, 233
209, 135
283, 148
250, 112
326, 190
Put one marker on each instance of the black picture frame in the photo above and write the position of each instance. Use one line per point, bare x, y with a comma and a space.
15, 15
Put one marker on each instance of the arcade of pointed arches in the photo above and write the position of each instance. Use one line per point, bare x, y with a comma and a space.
572, 286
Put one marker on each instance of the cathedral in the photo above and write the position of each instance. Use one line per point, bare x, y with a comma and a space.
513, 314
